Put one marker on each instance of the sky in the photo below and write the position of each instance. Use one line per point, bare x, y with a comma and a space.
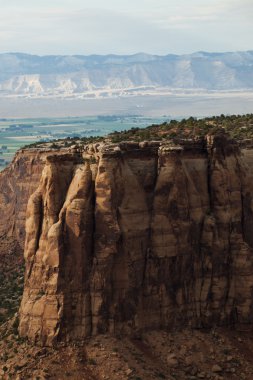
125, 27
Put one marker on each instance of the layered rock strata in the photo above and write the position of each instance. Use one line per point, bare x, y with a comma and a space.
122, 238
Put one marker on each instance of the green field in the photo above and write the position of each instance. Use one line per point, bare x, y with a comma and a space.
16, 133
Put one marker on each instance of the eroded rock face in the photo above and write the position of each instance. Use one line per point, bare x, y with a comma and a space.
17, 183
139, 236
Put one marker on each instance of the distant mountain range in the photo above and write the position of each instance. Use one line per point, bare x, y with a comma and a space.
116, 75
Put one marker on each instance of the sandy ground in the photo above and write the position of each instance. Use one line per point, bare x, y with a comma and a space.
188, 354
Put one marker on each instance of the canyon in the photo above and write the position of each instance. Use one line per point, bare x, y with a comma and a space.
133, 236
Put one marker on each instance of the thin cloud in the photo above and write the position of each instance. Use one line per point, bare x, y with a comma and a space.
82, 27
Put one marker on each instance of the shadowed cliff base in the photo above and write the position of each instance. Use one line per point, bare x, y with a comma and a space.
216, 354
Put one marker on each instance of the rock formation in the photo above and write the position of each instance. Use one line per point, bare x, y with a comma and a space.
121, 238
17, 183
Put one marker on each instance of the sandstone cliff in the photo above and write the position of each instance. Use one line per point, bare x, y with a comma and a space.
17, 182
120, 238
